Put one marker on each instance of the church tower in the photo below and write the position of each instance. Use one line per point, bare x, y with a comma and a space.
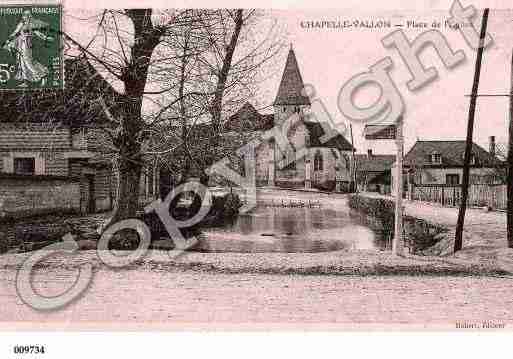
289, 99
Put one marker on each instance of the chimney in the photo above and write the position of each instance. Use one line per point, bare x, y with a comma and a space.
369, 152
491, 148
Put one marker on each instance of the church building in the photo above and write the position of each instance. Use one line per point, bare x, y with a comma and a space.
318, 158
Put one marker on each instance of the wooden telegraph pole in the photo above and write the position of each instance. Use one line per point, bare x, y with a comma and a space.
510, 164
398, 243
458, 241
353, 165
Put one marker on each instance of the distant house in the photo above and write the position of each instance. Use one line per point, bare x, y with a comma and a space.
441, 163
373, 172
247, 118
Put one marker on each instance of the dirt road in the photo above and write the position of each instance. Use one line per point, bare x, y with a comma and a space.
220, 300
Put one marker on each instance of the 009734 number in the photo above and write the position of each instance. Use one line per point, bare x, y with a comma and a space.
29, 349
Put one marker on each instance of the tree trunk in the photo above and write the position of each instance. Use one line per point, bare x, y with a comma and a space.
458, 240
135, 75
187, 161
128, 190
130, 163
217, 103
510, 165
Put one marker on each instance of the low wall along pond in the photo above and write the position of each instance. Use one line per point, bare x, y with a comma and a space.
380, 214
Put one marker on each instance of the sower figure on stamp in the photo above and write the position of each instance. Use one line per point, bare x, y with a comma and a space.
20, 43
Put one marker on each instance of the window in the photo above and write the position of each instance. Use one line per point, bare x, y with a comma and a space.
452, 179
318, 165
436, 158
243, 166
473, 158
150, 181
477, 179
25, 166
290, 160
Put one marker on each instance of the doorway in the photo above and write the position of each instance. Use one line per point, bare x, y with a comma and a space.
452, 179
91, 202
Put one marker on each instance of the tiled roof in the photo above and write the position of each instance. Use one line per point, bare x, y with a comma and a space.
249, 119
291, 85
316, 131
34, 139
452, 153
374, 163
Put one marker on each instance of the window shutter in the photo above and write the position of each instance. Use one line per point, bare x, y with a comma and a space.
8, 165
40, 165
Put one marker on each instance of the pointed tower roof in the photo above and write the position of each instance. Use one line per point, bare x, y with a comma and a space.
291, 85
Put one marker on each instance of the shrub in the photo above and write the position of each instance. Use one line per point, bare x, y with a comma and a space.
379, 208
125, 239
418, 234
328, 186
223, 209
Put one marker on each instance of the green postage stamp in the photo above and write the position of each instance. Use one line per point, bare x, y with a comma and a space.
30, 47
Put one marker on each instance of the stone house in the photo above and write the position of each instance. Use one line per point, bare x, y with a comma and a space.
441, 163
56, 137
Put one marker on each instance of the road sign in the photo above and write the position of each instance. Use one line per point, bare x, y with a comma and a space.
380, 132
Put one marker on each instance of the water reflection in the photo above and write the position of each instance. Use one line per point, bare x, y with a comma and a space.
293, 229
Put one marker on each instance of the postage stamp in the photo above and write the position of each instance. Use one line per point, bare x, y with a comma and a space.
30, 47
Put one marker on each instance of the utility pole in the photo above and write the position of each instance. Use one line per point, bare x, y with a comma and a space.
353, 167
510, 164
458, 241
398, 243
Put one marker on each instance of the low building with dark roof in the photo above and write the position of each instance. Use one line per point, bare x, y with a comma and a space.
373, 172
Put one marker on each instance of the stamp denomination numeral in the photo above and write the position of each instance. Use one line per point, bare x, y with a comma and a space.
5, 75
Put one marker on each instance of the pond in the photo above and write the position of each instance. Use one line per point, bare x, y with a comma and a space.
294, 226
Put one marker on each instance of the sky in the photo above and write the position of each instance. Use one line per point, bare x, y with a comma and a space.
329, 57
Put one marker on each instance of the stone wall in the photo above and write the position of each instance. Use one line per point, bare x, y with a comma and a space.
31, 195
419, 234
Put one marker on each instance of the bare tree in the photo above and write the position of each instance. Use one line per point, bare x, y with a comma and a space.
178, 78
